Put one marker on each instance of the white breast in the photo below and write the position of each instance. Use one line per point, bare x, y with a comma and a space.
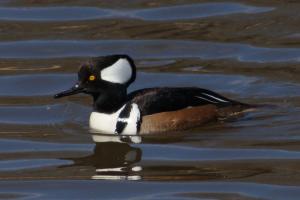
106, 123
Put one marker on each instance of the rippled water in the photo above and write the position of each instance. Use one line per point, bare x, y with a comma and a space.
245, 49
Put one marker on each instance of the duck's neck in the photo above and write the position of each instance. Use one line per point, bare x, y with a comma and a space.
110, 100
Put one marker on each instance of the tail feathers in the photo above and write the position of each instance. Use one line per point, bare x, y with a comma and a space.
237, 109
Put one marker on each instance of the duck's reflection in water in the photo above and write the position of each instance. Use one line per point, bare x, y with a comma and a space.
120, 161
113, 160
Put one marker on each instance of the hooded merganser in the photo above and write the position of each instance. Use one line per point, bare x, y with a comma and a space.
145, 111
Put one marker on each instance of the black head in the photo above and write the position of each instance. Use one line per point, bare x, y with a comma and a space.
102, 74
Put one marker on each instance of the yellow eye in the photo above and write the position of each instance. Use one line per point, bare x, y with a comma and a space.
92, 78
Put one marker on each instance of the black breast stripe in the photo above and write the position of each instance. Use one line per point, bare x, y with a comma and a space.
122, 120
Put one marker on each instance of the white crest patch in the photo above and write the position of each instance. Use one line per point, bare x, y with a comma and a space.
119, 72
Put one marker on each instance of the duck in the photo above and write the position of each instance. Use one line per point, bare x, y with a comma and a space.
144, 111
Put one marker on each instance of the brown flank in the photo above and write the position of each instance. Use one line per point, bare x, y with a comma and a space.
186, 118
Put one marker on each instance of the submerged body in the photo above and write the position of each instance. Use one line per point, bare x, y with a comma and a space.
145, 111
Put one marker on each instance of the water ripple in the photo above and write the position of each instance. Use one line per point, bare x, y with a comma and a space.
12, 165
145, 190
50, 84
8, 146
147, 49
35, 85
43, 115
157, 152
192, 11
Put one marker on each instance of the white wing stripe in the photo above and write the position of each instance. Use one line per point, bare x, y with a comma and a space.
206, 99
222, 100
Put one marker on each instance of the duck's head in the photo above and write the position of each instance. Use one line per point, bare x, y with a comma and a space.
103, 74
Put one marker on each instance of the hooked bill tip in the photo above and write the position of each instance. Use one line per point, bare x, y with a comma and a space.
56, 96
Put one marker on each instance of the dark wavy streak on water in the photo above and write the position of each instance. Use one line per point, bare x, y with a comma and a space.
247, 50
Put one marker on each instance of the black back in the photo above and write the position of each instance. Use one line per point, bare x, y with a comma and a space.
155, 100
